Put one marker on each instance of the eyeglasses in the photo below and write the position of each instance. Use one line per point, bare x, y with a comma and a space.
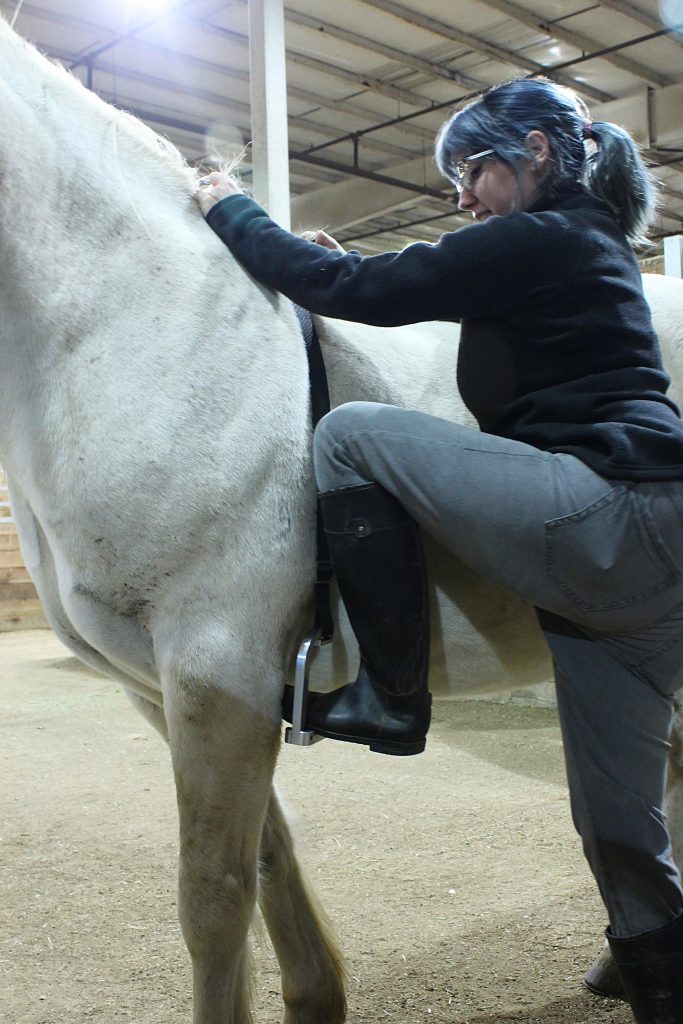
463, 174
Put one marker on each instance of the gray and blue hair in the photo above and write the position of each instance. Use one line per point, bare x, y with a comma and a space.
501, 119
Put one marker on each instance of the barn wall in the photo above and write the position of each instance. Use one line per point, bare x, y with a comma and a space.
20, 607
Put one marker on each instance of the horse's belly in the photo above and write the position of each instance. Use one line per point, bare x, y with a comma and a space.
92, 630
483, 638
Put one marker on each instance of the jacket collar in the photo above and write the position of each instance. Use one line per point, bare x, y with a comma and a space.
571, 197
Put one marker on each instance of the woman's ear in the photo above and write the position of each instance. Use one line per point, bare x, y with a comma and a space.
538, 148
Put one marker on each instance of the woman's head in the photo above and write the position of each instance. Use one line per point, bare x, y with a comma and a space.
490, 186
511, 118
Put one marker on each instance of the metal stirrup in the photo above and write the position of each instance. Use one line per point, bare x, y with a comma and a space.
296, 733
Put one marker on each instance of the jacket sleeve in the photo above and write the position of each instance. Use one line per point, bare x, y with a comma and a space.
481, 270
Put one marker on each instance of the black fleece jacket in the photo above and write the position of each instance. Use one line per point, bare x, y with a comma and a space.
557, 346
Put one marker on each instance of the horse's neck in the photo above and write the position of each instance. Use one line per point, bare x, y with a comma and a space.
82, 263
90, 212
119, 306
79, 179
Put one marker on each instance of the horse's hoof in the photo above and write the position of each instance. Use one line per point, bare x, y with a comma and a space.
603, 977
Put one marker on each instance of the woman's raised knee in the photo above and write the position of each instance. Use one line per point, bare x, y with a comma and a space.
334, 466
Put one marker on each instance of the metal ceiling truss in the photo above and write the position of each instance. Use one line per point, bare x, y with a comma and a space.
587, 45
417, 70
477, 45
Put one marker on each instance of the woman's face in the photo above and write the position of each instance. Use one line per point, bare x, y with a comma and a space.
493, 188
497, 190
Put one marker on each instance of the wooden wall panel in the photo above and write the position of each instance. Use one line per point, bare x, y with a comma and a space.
20, 607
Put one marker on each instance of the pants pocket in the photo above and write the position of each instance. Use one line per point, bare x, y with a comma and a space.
610, 554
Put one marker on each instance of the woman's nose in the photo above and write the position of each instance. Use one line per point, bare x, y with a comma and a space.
466, 199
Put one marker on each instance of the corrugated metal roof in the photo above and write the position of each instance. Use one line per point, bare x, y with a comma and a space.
363, 67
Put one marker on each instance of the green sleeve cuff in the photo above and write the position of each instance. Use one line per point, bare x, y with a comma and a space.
230, 211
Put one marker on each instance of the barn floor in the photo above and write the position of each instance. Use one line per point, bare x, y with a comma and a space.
454, 879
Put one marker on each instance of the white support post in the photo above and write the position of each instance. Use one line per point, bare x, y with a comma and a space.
673, 256
270, 147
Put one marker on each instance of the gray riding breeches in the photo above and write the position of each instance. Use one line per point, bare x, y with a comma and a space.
602, 560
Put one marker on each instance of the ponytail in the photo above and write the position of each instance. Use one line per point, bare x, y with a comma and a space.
615, 173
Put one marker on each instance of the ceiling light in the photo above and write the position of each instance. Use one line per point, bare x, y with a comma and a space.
147, 6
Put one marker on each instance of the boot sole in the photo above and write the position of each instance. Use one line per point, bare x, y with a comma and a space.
378, 746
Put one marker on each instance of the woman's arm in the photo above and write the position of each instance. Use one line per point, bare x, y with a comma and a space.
478, 271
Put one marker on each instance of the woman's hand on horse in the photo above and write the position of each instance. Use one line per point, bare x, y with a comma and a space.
213, 188
321, 237
218, 185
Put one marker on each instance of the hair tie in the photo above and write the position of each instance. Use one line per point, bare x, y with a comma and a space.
588, 129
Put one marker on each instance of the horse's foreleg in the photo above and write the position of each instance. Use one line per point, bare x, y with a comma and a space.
223, 758
152, 712
310, 961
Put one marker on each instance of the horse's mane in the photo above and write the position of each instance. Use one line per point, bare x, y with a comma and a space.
40, 81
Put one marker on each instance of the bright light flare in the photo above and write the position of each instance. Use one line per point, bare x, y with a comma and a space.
671, 12
147, 6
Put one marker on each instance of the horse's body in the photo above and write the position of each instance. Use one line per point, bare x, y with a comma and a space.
154, 426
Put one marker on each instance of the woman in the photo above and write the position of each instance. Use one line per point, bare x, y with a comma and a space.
571, 495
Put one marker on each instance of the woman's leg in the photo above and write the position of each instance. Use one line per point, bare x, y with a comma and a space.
615, 728
560, 536
376, 551
616, 719
379, 470
602, 553
485, 498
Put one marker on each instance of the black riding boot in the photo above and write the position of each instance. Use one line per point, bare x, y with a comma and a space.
651, 968
376, 551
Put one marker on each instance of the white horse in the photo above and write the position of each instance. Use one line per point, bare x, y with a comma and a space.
154, 425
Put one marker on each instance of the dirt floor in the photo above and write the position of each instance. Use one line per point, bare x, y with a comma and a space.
454, 879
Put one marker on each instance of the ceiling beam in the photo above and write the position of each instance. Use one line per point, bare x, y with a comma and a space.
576, 39
666, 211
401, 57
634, 13
347, 106
241, 111
354, 109
414, 181
399, 227
477, 45
356, 78
363, 196
350, 202
555, 68
423, 189
667, 190
300, 120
